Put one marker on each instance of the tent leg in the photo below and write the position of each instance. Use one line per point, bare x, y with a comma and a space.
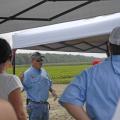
13, 61
107, 51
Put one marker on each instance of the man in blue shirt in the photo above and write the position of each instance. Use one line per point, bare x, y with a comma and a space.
37, 86
98, 87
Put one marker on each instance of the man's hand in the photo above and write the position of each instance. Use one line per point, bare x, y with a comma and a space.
21, 76
54, 95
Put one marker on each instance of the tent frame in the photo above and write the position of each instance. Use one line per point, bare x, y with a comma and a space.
92, 46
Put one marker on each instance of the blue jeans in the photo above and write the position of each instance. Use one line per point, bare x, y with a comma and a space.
38, 111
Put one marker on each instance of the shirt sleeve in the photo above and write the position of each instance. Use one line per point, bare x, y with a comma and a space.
50, 83
13, 84
26, 81
75, 93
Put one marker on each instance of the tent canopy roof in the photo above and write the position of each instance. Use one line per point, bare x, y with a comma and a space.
23, 14
88, 35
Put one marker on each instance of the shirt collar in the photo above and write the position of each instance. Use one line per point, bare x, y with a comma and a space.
115, 63
34, 69
114, 58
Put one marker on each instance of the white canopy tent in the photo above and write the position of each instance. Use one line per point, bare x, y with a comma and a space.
89, 35
24, 14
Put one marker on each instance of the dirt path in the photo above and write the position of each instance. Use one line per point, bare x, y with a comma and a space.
57, 112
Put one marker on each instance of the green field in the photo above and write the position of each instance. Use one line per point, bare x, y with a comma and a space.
60, 74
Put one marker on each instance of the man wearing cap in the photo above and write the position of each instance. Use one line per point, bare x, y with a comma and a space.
98, 87
37, 86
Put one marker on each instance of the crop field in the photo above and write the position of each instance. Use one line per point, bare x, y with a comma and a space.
60, 74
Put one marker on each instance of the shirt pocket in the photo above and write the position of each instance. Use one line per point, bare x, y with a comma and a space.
35, 80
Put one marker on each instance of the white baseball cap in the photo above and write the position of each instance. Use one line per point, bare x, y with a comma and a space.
115, 36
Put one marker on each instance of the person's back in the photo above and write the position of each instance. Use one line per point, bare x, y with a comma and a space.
98, 87
8, 82
102, 81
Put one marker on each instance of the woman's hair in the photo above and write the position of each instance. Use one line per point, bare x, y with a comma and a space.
5, 51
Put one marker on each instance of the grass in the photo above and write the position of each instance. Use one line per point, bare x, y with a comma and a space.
60, 74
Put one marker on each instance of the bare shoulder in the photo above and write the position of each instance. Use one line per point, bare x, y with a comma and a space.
6, 111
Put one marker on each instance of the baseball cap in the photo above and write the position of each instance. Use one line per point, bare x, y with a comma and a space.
37, 56
115, 36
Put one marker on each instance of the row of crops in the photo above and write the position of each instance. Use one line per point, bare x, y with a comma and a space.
60, 74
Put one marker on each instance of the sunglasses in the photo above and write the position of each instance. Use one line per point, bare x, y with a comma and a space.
39, 60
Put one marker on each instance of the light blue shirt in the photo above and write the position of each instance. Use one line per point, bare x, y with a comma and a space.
98, 87
37, 84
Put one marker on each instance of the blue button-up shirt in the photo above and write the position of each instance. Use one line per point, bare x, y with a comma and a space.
98, 87
37, 84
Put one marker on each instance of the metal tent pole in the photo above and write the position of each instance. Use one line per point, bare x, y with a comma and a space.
107, 51
13, 61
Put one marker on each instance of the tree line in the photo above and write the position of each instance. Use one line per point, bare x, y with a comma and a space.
25, 58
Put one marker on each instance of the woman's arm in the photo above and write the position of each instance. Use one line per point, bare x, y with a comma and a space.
15, 99
76, 111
